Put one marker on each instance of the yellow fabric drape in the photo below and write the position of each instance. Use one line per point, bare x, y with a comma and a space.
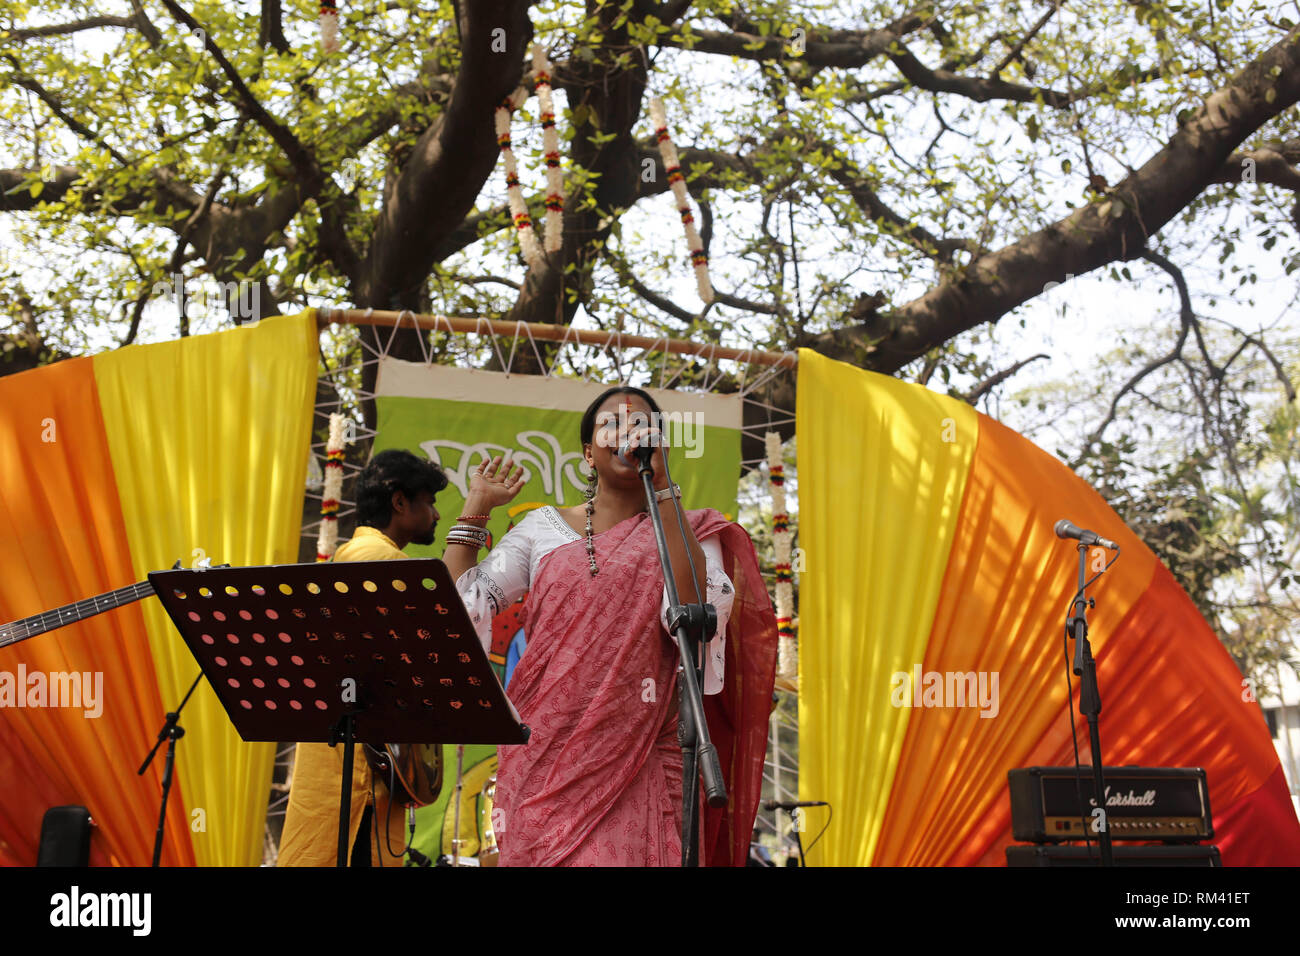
208, 438
882, 471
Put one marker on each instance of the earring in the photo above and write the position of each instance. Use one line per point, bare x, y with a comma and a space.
591, 484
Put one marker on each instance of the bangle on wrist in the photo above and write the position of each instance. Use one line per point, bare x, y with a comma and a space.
476, 545
672, 491
474, 518
467, 534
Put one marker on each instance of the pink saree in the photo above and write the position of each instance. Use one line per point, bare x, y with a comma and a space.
599, 781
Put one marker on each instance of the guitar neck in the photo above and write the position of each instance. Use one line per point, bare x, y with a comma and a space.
27, 627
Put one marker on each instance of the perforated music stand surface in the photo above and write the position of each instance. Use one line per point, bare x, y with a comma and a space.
277, 641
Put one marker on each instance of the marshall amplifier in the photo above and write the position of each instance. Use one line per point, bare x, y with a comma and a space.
1124, 855
1166, 804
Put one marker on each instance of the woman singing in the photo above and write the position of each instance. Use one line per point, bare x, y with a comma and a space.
599, 782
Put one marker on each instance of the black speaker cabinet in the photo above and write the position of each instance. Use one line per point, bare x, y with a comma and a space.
1165, 855
65, 837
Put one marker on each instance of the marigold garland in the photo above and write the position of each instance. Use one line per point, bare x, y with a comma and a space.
788, 666
514, 193
327, 541
672, 164
329, 26
551, 149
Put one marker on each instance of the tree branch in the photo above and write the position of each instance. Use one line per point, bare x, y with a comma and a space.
1187, 320
63, 29
982, 89
301, 158
660, 302
151, 34
1277, 165
846, 173
271, 31
55, 106
993, 381
1014, 53
823, 48
748, 305
1116, 227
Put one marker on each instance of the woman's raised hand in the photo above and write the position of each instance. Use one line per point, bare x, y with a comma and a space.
495, 483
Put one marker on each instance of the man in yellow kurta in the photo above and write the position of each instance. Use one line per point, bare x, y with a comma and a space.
395, 495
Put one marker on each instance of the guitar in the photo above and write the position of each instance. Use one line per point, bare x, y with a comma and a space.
26, 627
412, 772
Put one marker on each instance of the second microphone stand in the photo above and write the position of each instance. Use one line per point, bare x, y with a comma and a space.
1085, 668
691, 625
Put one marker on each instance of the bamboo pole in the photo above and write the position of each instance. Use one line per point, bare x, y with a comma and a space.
553, 333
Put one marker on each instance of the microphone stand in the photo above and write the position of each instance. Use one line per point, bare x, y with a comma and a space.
796, 818
171, 732
1089, 696
690, 625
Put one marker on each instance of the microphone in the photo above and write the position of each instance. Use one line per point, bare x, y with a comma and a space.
793, 804
642, 452
1065, 529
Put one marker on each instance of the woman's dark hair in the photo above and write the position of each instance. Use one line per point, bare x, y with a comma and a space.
389, 471
588, 429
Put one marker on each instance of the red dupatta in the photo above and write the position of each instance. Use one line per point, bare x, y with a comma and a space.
597, 685
738, 717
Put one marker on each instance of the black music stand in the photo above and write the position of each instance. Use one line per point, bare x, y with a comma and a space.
368, 651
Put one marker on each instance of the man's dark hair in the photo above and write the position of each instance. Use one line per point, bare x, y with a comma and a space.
587, 429
389, 471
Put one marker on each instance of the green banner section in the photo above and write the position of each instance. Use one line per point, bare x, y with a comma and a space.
704, 459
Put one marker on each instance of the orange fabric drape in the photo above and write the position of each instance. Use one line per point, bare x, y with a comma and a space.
1002, 611
61, 540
